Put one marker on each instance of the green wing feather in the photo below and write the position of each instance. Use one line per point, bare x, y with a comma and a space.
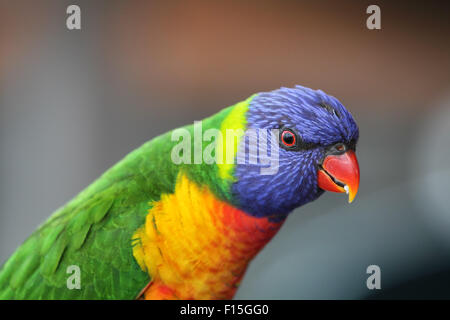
94, 231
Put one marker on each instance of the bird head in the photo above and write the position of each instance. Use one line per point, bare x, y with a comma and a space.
316, 138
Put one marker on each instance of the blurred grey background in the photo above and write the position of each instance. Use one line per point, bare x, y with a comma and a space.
73, 103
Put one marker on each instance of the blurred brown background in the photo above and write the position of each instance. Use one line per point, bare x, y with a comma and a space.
72, 103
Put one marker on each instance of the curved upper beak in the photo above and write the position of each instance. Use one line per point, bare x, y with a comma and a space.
340, 173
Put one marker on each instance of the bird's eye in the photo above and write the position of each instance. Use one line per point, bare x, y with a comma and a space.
288, 138
339, 148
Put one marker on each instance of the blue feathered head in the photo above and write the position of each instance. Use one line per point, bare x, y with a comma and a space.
316, 136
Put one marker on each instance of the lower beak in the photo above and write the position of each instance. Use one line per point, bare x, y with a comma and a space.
340, 173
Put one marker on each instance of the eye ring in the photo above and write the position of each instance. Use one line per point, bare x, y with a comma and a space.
288, 138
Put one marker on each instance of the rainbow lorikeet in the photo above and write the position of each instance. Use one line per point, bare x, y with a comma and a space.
167, 223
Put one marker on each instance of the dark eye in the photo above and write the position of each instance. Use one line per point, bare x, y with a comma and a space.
339, 148
288, 138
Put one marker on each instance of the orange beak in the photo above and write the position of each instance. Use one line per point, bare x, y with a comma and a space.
340, 173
